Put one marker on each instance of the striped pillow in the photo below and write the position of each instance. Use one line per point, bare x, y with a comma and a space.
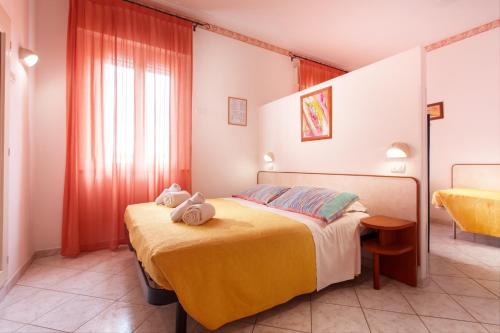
304, 200
336, 207
262, 193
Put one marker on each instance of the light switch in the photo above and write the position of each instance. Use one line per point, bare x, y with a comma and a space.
398, 167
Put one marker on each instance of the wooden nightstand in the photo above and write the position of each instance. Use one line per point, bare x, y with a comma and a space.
394, 250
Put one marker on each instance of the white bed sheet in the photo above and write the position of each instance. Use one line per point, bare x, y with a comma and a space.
337, 245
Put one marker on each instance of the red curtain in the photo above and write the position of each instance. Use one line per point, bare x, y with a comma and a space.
129, 78
311, 73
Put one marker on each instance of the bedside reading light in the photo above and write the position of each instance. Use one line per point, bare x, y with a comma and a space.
269, 159
28, 57
398, 150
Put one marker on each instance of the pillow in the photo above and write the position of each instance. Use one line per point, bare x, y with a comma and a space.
356, 206
262, 193
304, 200
336, 207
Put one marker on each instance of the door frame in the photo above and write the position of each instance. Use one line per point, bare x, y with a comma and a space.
5, 53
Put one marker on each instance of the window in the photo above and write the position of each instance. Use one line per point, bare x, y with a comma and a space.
125, 118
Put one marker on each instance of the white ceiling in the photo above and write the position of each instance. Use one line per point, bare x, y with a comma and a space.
344, 33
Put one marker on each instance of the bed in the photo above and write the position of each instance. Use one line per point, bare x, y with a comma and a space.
473, 202
251, 257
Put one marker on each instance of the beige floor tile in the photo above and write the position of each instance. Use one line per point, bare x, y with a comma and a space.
119, 318
485, 310
332, 318
492, 328
16, 294
123, 252
367, 283
383, 299
235, 327
441, 267
493, 286
437, 305
82, 262
488, 255
73, 314
269, 329
7, 326
135, 296
441, 325
36, 329
82, 282
114, 265
479, 271
341, 296
129, 271
162, 320
428, 286
43, 276
34, 306
462, 286
384, 321
294, 315
113, 288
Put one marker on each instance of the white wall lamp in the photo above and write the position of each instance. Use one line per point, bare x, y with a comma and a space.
398, 150
269, 159
27, 57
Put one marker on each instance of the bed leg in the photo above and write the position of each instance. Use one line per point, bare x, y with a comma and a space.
454, 230
180, 318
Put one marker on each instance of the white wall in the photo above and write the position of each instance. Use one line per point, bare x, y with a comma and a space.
19, 245
49, 121
372, 107
466, 77
224, 157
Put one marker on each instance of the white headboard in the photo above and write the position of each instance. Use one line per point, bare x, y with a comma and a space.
480, 176
383, 195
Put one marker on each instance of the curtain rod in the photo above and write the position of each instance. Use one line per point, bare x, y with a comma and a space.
208, 27
294, 56
193, 22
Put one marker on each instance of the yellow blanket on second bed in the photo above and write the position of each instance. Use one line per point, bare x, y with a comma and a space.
476, 211
240, 263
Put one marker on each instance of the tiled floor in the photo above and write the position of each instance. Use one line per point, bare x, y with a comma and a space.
99, 292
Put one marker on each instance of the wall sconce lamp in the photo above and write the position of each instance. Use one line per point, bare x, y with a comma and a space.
27, 57
269, 159
398, 150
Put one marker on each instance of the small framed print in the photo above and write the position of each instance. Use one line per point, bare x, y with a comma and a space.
236, 111
316, 115
436, 110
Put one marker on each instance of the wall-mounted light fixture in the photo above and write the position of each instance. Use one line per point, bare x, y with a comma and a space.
269, 159
398, 150
28, 57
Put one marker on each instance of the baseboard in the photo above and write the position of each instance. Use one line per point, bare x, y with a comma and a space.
441, 221
10, 283
47, 253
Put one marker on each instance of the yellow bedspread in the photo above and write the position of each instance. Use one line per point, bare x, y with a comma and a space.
239, 263
476, 211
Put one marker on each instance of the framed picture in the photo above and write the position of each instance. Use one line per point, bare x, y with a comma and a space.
436, 110
316, 115
236, 111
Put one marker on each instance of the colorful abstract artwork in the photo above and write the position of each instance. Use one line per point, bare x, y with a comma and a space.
316, 115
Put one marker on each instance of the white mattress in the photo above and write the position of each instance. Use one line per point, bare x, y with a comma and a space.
337, 245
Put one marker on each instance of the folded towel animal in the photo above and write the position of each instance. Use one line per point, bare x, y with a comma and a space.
174, 199
176, 214
198, 214
173, 188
